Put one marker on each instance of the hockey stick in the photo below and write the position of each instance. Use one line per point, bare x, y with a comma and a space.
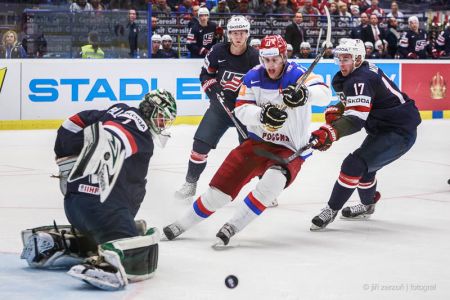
282, 160
233, 119
318, 40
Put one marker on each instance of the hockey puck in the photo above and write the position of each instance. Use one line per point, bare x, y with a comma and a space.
231, 281
448, 181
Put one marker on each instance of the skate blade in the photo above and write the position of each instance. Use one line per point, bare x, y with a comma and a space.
219, 245
316, 228
357, 218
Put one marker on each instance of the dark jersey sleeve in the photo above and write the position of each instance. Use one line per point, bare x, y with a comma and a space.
211, 64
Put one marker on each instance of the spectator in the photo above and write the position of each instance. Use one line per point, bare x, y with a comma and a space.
375, 9
373, 32
290, 52
11, 48
395, 13
166, 51
194, 20
334, 11
414, 42
283, 8
255, 43
328, 50
443, 43
156, 44
392, 37
97, 5
80, 6
160, 8
243, 8
221, 8
345, 16
133, 32
309, 9
185, 7
155, 24
295, 34
357, 31
201, 38
92, 50
305, 51
267, 7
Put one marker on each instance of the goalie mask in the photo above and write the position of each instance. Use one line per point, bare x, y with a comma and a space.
159, 110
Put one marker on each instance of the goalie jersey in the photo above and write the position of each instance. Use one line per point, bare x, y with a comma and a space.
374, 102
258, 89
129, 127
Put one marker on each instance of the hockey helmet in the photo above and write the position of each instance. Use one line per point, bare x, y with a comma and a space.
273, 45
238, 23
159, 110
203, 11
355, 47
255, 42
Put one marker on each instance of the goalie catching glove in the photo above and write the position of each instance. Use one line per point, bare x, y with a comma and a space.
293, 98
325, 136
272, 117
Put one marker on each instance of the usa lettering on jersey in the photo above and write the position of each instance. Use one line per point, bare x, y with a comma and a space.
231, 81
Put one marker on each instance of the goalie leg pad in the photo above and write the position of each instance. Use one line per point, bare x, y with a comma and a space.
102, 157
121, 261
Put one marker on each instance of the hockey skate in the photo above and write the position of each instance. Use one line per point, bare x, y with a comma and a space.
224, 235
274, 203
187, 191
325, 217
360, 211
172, 231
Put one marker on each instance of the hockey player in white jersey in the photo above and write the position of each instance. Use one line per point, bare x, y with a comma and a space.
277, 119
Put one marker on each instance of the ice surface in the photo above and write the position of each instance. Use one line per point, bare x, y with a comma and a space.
403, 252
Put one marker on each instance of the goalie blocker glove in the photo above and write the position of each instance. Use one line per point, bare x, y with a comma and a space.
293, 98
272, 116
325, 136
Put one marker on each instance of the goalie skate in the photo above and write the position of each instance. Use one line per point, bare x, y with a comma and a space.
360, 211
187, 191
326, 216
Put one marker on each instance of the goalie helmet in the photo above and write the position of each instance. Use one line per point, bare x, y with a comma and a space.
159, 110
355, 47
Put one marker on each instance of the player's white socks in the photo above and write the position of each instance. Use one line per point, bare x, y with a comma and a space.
268, 188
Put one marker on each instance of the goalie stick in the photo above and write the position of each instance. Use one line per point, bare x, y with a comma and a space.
282, 160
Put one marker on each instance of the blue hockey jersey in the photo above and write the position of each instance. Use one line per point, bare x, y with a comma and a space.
125, 123
374, 102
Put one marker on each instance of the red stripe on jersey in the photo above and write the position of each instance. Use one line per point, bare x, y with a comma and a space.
242, 102
349, 180
77, 120
129, 136
256, 202
359, 108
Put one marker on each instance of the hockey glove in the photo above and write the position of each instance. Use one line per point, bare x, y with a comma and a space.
292, 98
325, 136
412, 55
203, 51
332, 113
212, 88
272, 116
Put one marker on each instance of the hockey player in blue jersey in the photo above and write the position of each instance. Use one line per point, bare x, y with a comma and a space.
221, 76
202, 37
370, 100
103, 156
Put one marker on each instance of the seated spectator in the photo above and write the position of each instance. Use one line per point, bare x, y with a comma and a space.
375, 9
328, 50
243, 8
369, 50
372, 32
255, 43
267, 7
11, 48
92, 50
395, 13
166, 51
97, 5
305, 51
161, 8
343, 10
156, 44
80, 6
185, 7
290, 52
309, 9
283, 8
221, 8
334, 11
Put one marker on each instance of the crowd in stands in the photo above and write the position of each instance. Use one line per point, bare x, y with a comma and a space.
378, 27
